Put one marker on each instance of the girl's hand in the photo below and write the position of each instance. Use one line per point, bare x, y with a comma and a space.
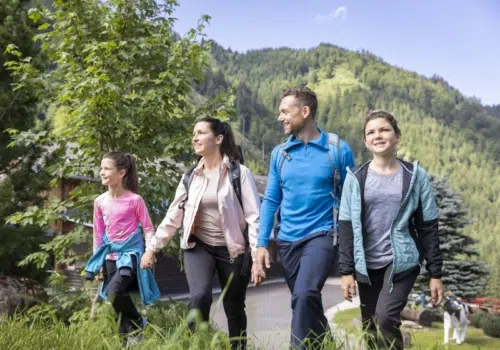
100, 275
348, 287
148, 259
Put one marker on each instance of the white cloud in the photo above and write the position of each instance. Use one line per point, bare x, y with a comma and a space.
340, 13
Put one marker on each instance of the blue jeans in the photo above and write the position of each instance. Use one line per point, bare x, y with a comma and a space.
306, 265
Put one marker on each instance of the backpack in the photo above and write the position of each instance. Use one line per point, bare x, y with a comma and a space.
235, 178
333, 145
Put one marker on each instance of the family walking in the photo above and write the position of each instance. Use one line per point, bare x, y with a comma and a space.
379, 219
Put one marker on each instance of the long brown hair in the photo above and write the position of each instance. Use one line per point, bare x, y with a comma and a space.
228, 146
125, 161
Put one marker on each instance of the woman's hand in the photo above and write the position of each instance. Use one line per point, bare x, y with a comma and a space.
436, 287
148, 259
348, 287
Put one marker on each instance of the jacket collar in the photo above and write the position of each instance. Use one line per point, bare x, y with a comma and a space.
409, 170
201, 165
321, 141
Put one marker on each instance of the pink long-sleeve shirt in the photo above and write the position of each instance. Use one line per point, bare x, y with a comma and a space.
119, 218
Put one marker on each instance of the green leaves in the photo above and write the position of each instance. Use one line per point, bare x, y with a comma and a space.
120, 80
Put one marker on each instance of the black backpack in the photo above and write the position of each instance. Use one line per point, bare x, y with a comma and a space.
235, 177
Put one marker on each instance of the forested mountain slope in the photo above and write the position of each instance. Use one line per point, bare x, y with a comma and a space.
450, 134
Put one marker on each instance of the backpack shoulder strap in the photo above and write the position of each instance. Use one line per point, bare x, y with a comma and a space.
282, 155
333, 139
235, 173
334, 147
188, 178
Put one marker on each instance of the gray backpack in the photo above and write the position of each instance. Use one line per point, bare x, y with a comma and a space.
334, 157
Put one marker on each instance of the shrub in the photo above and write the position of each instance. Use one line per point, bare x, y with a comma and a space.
492, 327
478, 319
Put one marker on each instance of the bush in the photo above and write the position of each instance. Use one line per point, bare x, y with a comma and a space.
478, 319
492, 327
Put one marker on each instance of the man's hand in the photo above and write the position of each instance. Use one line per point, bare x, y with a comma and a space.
348, 287
263, 257
262, 262
436, 287
258, 275
148, 259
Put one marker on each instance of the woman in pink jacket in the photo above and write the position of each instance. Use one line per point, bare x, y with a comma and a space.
214, 226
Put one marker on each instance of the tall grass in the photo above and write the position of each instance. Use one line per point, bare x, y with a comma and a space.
69, 321
25, 333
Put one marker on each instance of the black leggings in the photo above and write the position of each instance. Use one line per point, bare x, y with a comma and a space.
120, 284
382, 306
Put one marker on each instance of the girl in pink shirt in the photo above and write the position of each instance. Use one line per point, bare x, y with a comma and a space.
119, 214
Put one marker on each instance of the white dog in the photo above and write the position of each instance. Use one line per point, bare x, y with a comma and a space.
456, 317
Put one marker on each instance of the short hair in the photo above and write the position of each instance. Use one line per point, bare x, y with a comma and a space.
304, 96
384, 115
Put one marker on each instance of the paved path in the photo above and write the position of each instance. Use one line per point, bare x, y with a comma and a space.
269, 312
344, 339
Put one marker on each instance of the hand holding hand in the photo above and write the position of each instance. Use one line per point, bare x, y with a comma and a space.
148, 259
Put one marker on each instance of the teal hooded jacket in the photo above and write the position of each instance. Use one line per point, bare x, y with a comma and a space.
414, 231
133, 245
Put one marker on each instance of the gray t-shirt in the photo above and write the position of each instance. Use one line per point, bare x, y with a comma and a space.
382, 199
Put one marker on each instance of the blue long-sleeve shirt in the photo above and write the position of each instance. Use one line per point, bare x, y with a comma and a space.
305, 196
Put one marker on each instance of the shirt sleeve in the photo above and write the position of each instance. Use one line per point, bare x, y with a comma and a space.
271, 202
99, 227
171, 223
251, 207
142, 213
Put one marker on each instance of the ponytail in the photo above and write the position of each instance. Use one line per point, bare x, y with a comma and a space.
131, 179
228, 146
126, 161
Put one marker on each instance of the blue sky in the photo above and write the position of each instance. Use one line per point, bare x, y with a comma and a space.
458, 40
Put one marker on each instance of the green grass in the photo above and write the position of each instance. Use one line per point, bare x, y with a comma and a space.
39, 329
428, 338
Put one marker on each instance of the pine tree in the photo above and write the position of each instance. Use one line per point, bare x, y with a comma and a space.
464, 274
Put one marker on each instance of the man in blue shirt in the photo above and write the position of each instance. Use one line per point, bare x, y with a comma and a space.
301, 183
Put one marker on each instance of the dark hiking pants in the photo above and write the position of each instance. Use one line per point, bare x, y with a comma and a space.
381, 307
306, 265
201, 263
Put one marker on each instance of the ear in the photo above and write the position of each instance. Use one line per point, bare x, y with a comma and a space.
219, 139
397, 138
306, 112
122, 173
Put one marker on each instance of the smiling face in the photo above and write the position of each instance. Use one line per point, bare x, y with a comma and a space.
291, 115
204, 140
110, 174
380, 137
